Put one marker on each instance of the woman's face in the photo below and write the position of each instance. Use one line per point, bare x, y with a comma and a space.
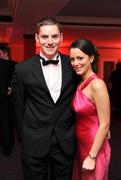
80, 61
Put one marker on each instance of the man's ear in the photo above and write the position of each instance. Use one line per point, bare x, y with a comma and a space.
36, 38
61, 37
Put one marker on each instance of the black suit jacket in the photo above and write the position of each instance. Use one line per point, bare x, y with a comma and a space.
37, 115
4, 80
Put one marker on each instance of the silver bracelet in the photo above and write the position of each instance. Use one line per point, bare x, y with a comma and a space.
92, 157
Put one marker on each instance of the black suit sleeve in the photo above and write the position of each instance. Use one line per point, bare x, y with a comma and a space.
18, 99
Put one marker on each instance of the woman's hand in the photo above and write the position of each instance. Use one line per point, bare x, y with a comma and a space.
88, 164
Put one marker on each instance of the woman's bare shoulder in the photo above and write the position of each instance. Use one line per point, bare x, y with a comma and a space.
98, 84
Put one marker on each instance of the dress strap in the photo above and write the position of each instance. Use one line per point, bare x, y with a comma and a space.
94, 76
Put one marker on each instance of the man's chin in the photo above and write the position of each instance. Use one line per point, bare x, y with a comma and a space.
51, 53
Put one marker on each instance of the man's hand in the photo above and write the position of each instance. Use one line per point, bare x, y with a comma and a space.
9, 92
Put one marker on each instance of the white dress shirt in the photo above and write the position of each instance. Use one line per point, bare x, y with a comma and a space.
53, 77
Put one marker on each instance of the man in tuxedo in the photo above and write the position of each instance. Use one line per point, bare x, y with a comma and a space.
43, 89
6, 120
4, 108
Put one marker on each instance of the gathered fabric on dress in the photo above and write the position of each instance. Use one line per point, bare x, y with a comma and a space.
86, 126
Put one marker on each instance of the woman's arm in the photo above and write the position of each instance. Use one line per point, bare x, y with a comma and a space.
101, 99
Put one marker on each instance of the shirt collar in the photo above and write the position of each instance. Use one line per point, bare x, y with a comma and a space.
57, 56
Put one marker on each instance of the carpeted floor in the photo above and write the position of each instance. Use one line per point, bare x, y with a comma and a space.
10, 167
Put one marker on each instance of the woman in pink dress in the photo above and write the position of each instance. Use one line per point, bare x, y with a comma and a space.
92, 108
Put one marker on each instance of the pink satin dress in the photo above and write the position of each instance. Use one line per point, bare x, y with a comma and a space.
86, 126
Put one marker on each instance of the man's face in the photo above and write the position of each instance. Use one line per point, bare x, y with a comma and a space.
49, 38
2, 55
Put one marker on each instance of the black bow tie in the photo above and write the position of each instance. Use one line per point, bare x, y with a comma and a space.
46, 62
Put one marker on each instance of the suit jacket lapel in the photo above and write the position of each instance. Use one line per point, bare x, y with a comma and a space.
65, 73
37, 72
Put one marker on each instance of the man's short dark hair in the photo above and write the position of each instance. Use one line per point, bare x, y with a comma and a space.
48, 21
